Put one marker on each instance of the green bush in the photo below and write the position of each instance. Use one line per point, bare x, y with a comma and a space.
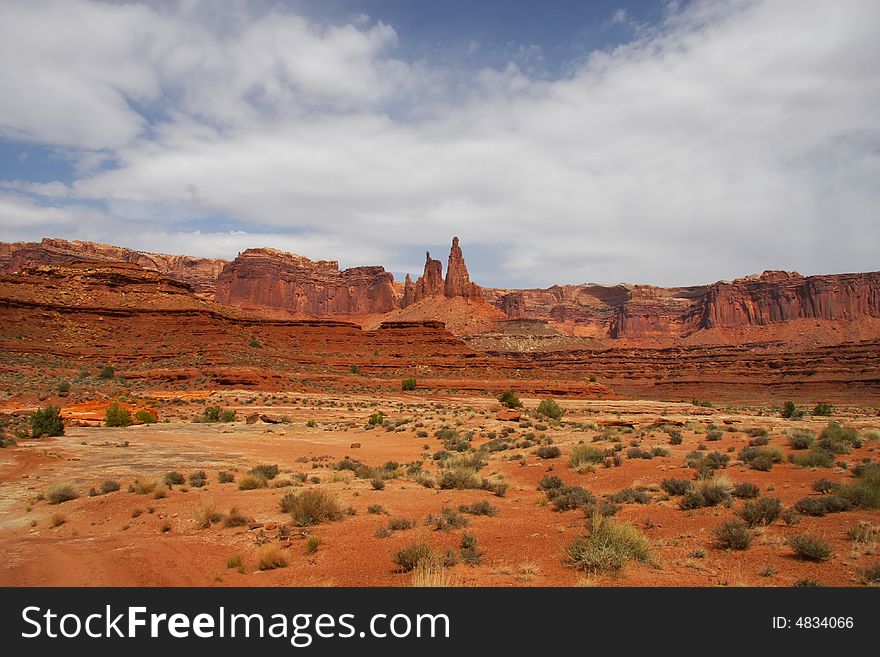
376, 418
251, 482
225, 477
63, 387
460, 477
733, 535
801, 438
198, 479
107, 372
117, 416
565, 498
355, 369
47, 422
816, 457
510, 400
822, 505
823, 409
810, 547
608, 547
447, 520
253, 343
790, 411
468, 550
549, 408
146, 417
408, 384
265, 471
837, 439
745, 490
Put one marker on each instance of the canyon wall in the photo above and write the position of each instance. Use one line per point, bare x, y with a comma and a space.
199, 273
286, 281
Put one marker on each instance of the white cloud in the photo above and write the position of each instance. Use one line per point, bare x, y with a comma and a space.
734, 137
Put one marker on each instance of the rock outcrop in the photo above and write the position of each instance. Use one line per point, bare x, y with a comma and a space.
431, 282
458, 282
409, 293
291, 282
643, 311
200, 273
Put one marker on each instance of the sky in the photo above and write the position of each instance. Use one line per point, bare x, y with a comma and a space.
660, 142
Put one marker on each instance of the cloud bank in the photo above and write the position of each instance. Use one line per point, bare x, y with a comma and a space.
731, 137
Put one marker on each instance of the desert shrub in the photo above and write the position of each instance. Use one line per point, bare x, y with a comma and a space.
871, 575
56, 520
630, 495
459, 477
270, 557
173, 479
745, 490
816, 457
510, 400
675, 486
117, 416
759, 441
312, 544
376, 418
410, 556
864, 492
790, 411
565, 498
549, 408
714, 434
548, 452
585, 454
733, 535
408, 384
446, 520
312, 507
675, 437
251, 482
468, 550
106, 372
864, 532
822, 505
47, 422
142, 487
495, 485
400, 524
253, 343
801, 438
264, 471
763, 511
225, 477
236, 561
639, 453
378, 484
549, 482
63, 387
109, 486
481, 508
756, 431
837, 439
61, 493
824, 485
608, 546
198, 478
229, 416
823, 409
376, 509
810, 547
234, 518
205, 513
761, 462
145, 417
705, 493
706, 463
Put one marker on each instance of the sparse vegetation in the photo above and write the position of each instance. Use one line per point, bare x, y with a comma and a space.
581, 454
733, 535
145, 417
61, 493
270, 557
510, 400
763, 511
550, 409
312, 507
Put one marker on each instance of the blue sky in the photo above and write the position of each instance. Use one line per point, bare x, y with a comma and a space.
564, 142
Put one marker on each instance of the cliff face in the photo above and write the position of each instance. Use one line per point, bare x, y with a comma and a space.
643, 311
199, 273
266, 277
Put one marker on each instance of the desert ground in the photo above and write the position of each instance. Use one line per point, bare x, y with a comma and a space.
151, 532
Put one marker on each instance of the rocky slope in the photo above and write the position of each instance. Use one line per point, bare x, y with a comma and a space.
200, 273
642, 312
274, 279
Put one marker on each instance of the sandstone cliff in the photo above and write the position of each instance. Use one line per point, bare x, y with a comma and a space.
274, 279
458, 282
200, 273
431, 282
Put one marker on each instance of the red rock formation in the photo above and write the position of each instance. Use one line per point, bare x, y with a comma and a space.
430, 282
513, 305
458, 283
409, 293
274, 279
200, 273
